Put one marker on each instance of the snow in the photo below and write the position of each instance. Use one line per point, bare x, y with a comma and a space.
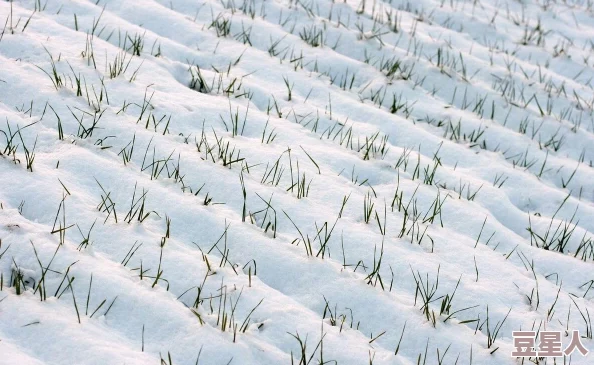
213, 182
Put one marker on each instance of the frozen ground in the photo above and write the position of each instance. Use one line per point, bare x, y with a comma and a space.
276, 182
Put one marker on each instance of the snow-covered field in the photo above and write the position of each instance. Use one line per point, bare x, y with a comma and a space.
294, 182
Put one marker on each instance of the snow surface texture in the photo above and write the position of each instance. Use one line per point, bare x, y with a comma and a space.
251, 182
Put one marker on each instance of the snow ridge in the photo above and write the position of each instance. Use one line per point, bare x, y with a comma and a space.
277, 182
